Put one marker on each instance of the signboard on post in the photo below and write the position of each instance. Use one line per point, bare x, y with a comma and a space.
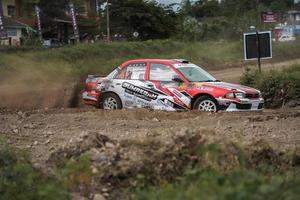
257, 46
3, 33
74, 21
38, 18
269, 17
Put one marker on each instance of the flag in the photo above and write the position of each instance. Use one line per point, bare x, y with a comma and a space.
38, 18
3, 33
74, 21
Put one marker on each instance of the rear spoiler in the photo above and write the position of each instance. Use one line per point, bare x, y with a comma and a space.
94, 76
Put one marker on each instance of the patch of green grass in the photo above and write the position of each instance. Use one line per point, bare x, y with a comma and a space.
20, 181
76, 174
101, 58
212, 184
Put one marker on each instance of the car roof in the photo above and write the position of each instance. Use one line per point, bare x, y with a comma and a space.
163, 61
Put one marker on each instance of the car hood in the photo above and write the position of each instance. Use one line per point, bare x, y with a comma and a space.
229, 87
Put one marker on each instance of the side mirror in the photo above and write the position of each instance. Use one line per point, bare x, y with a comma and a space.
177, 79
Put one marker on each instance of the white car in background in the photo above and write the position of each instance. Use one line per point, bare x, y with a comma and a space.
286, 38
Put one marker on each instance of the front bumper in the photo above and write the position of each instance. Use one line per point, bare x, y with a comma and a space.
242, 105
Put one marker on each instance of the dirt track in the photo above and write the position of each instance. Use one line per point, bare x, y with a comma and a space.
51, 135
45, 131
234, 74
28, 90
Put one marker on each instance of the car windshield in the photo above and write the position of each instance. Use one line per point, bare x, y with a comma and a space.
195, 73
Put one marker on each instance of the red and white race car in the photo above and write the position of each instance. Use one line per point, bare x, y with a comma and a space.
169, 85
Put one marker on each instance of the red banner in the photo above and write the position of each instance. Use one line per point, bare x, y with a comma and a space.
269, 17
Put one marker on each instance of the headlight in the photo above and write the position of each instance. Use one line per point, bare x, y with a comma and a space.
230, 95
234, 95
240, 95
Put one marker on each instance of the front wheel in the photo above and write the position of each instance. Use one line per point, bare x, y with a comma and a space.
111, 102
206, 104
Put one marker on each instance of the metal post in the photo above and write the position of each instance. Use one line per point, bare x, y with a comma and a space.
258, 51
107, 21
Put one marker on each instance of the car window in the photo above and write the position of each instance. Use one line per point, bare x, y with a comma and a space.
133, 71
161, 72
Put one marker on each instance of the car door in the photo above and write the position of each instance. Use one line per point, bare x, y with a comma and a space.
133, 90
168, 82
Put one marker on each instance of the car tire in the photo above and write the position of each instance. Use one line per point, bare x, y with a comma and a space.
111, 101
206, 104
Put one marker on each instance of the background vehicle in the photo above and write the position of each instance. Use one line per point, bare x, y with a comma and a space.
286, 38
168, 85
51, 43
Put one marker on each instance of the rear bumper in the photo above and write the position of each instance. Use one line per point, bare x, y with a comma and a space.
243, 105
90, 98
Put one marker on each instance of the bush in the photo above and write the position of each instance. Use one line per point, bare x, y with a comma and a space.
237, 184
20, 181
227, 172
76, 175
278, 87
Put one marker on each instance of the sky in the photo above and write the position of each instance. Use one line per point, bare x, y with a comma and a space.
169, 1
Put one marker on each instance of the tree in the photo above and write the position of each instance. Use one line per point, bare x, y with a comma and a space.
149, 19
50, 11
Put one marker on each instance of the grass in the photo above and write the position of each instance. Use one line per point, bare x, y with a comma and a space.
29, 72
237, 184
100, 58
20, 181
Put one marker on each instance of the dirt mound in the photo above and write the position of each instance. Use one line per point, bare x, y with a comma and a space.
120, 167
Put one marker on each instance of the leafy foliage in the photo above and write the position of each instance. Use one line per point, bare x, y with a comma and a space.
76, 174
223, 171
237, 184
20, 181
278, 87
230, 18
149, 19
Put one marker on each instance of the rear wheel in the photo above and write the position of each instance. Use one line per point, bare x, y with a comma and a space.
111, 102
206, 104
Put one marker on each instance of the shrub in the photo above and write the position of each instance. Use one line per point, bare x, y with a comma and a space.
77, 174
278, 87
20, 181
237, 184
228, 172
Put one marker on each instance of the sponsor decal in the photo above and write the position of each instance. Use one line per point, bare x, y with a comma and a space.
165, 103
206, 88
180, 98
129, 97
144, 104
129, 103
164, 84
198, 84
177, 93
139, 92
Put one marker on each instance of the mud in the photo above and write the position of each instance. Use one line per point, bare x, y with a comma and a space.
124, 144
45, 131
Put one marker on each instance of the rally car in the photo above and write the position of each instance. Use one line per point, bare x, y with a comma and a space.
171, 85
